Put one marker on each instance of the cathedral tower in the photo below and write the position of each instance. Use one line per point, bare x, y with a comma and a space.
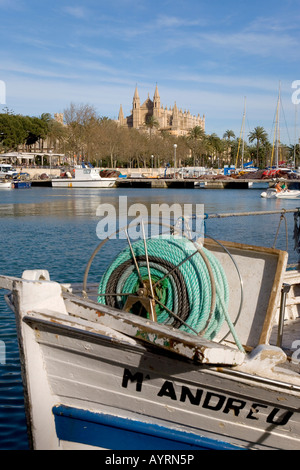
136, 107
156, 104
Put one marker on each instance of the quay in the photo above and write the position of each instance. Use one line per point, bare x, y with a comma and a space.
155, 180
186, 183
190, 183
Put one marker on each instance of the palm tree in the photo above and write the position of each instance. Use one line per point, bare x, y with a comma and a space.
150, 123
196, 133
259, 134
294, 153
227, 135
195, 137
217, 147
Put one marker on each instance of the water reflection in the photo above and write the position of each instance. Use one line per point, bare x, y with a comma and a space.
66, 215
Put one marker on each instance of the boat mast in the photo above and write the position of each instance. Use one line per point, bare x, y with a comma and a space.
277, 128
243, 148
295, 144
242, 134
275, 139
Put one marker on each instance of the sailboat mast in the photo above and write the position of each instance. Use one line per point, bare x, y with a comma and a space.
277, 128
295, 138
242, 133
243, 148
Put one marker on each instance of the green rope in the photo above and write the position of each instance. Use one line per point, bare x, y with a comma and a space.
187, 290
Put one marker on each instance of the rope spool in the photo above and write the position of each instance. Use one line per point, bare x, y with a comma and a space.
187, 281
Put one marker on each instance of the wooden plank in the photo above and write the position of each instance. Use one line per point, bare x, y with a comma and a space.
184, 344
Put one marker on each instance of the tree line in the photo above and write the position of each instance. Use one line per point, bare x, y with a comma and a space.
87, 136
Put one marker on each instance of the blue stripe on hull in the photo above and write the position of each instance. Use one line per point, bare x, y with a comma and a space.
22, 184
115, 433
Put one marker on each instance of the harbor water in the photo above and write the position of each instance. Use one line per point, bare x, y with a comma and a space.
56, 229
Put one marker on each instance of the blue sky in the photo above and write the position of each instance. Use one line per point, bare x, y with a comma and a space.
205, 55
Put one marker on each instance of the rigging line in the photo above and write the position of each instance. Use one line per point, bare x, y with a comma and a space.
282, 109
273, 132
242, 135
282, 217
275, 141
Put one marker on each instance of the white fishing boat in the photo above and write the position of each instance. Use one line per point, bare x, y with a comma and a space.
164, 354
84, 177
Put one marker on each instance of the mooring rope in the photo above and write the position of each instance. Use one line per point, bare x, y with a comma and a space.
182, 283
296, 234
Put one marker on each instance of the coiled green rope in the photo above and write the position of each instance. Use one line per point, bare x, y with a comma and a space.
182, 283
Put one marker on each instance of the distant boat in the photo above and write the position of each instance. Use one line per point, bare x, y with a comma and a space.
4, 184
85, 177
272, 192
284, 194
19, 184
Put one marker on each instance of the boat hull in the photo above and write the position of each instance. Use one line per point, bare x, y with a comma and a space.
22, 184
98, 387
6, 185
101, 378
89, 428
74, 183
287, 194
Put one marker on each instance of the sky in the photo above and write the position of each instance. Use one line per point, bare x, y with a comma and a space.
212, 57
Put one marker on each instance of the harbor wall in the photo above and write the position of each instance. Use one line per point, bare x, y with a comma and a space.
36, 172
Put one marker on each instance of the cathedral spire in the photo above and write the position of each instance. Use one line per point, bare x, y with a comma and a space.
121, 115
136, 94
136, 106
156, 94
156, 104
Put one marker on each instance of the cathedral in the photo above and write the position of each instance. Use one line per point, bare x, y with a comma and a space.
172, 120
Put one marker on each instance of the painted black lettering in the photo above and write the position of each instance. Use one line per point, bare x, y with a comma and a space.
167, 390
138, 378
235, 405
210, 397
282, 420
254, 411
186, 393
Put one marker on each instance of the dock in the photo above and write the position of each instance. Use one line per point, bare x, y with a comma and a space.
190, 183
182, 183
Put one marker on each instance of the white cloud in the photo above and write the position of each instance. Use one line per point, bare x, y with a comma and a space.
259, 44
76, 12
11, 4
165, 21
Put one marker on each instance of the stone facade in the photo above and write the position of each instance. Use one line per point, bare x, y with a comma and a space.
171, 120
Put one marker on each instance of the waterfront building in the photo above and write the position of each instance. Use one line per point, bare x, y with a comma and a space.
171, 120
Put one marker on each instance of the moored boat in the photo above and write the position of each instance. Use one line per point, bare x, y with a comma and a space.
84, 177
99, 373
6, 184
21, 184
